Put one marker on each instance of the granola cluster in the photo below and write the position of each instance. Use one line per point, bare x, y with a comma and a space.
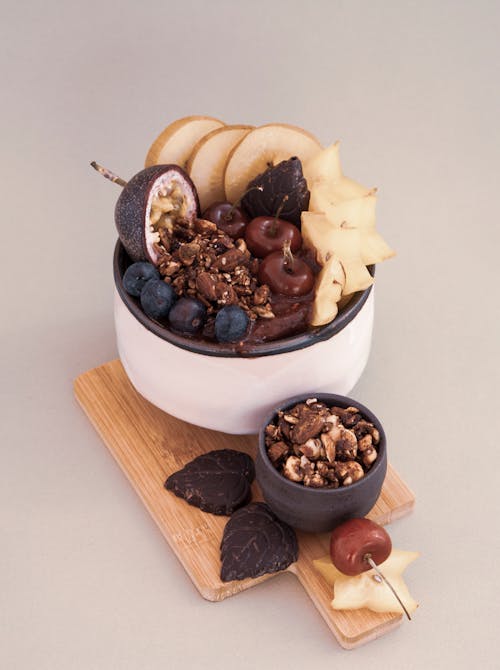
320, 446
201, 261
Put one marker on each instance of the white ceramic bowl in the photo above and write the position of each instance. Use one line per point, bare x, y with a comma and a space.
194, 381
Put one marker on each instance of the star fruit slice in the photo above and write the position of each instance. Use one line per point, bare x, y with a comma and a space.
343, 242
324, 167
359, 213
328, 291
351, 593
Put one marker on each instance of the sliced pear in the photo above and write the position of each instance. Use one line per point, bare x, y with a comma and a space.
175, 143
328, 291
208, 159
324, 167
261, 148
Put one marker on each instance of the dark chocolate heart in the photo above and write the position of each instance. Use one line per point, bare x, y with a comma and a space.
217, 482
256, 542
278, 181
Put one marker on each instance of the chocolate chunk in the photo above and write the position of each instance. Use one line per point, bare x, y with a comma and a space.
256, 542
217, 482
278, 181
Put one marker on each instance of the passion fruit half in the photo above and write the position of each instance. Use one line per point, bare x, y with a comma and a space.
150, 203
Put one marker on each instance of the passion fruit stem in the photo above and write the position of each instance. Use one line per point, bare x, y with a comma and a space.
368, 558
288, 259
108, 174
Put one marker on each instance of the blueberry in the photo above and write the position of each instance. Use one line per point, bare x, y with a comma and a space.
231, 324
157, 298
187, 316
137, 276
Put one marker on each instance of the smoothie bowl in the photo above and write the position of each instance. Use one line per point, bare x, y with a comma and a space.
243, 272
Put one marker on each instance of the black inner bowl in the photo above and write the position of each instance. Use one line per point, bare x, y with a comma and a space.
121, 261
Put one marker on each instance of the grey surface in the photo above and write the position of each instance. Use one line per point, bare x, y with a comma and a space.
86, 580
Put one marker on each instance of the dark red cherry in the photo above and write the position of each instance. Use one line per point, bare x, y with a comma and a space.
266, 234
232, 220
353, 541
285, 274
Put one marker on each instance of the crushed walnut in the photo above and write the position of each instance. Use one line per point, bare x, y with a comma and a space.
199, 260
320, 446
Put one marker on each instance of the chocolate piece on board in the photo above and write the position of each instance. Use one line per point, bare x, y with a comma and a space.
217, 482
256, 542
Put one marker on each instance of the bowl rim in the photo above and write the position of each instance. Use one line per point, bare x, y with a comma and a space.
285, 345
331, 399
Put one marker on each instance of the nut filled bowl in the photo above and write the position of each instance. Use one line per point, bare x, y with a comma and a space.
322, 459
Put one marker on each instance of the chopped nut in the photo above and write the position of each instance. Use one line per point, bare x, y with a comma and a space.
291, 419
285, 428
306, 466
277, 451
225, 294
188, 253
264, 312
229, 260
205, 283
349, 416
292, 469
311, 449
363, 428
261, 295
204, 227
349, 472
365, 442
331, 421
272, 431
346, 446
315, 481
369, 456
309, 425
329, 446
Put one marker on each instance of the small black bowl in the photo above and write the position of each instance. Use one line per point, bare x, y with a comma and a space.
320, 510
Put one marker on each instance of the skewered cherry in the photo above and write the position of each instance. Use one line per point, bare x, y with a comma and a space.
356, 540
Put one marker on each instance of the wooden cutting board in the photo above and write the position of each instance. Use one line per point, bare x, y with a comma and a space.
149, 445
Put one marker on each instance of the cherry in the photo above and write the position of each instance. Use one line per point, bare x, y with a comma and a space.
354, 542
232, 220
285, 274
266, 234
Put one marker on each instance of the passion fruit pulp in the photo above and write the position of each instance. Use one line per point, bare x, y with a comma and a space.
152, 201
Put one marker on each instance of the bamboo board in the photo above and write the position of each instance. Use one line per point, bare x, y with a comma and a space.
149, 445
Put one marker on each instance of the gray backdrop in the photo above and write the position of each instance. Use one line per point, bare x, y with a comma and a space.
411, 89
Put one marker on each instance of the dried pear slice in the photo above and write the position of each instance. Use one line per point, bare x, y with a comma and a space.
208, 159
262, 148
176, 142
